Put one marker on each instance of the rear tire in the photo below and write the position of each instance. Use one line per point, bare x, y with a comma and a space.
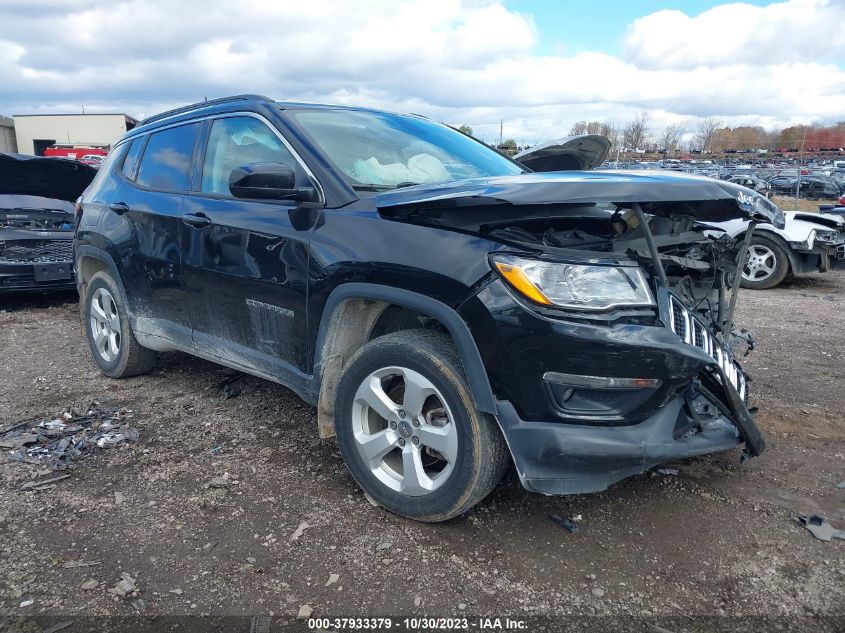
400, 396
113, 344
767, 265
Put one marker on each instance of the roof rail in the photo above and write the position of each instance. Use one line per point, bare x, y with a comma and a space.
202, 104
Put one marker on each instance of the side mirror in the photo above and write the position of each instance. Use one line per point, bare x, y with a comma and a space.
267, 181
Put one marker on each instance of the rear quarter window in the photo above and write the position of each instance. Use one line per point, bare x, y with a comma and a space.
130, 162
167, 160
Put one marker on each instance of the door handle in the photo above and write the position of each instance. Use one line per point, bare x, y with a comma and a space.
197, 220
119, 207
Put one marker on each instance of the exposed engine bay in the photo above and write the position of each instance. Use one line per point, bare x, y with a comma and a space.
35, 220
699, 268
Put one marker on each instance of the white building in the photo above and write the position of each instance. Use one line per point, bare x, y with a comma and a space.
35, 132
7, 136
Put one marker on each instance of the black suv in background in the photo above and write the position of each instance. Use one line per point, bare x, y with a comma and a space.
445, 309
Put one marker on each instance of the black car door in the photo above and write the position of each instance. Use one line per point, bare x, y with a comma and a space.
245, 262
145, 224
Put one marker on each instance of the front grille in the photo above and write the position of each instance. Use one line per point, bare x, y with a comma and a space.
693, 332
38, 251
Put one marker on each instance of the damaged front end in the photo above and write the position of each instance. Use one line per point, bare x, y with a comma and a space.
610, 337
37, 221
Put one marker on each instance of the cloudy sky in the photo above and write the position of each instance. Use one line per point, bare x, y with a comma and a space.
537, 64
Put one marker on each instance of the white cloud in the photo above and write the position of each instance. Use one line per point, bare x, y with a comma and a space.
461, 61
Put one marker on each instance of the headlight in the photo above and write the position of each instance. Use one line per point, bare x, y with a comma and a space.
579, 286
806, 244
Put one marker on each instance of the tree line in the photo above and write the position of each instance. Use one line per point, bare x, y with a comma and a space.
713, 135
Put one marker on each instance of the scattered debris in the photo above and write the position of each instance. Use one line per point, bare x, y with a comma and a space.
58, 626
462, 606
598, 592
567, 524
384, 545
841, 485
299, 531
216, 449
333, 578
370, 500
417, 601
119, 498
89, 585
38, 484
819, 527
668, 471
56, 442
73, 564
305, 612
177, 592
27, 603
126, 586
139, 605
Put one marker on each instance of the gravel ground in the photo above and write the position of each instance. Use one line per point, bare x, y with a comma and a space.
711, 548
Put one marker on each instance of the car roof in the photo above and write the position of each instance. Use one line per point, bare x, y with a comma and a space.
238, 103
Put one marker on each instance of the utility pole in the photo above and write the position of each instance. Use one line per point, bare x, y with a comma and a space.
501, 126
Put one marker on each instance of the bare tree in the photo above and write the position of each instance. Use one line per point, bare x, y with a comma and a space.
611, 133
635, 133
578, 128
672, 135
705, 131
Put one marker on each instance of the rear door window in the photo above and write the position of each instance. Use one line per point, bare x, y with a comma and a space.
167, 161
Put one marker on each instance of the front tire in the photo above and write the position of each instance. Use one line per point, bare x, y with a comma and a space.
113, 345
409, 432
767, 264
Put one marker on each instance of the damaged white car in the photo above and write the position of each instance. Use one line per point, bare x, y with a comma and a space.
809, 242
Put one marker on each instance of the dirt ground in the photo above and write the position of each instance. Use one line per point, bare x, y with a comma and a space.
713, 547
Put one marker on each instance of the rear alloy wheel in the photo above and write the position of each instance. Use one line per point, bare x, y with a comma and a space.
113, 345
409, 431
767, 264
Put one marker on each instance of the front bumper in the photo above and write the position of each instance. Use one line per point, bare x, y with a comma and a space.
36, 276
553, 458
569, 439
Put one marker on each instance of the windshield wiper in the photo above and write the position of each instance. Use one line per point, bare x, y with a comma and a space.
407, 184
372, 187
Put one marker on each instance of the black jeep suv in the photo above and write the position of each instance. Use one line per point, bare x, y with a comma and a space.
444, 308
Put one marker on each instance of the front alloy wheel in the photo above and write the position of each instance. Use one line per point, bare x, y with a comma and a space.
404, 431
409, 431
766, 266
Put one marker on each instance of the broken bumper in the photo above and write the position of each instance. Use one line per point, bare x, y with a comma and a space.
553, 458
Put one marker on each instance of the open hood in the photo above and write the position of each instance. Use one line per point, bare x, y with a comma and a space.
586, 151
54, 178
663, 194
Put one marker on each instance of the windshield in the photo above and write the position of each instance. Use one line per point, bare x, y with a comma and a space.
378, 150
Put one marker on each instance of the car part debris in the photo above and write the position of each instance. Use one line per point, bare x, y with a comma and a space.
567, 524
841, 485
37, 484
57, 441
126, 586
819, 527
58, 626
668, 471
73, 564
27, 603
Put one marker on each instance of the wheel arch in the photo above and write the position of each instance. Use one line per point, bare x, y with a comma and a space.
88, 261
349, 318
